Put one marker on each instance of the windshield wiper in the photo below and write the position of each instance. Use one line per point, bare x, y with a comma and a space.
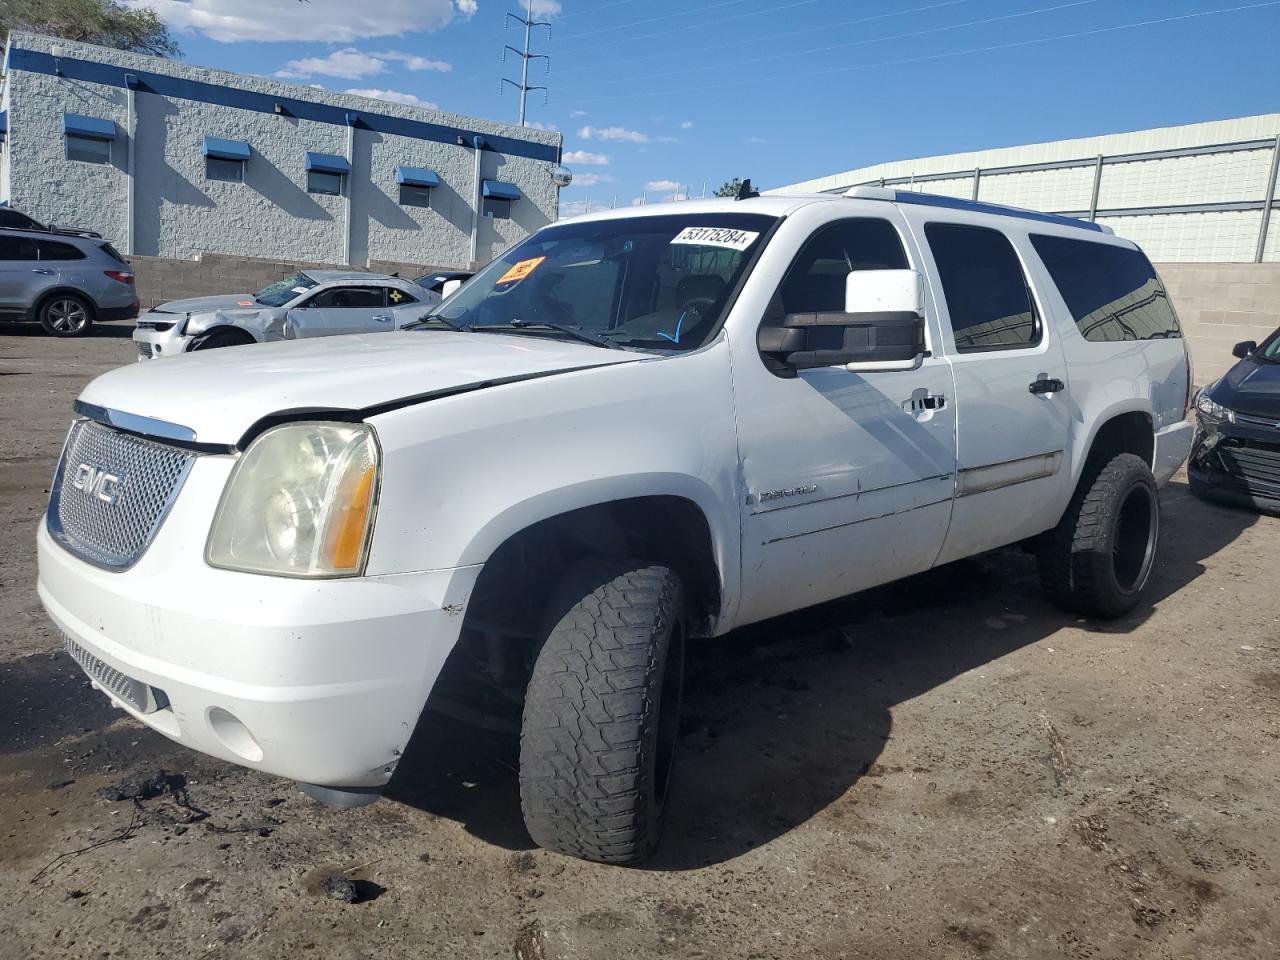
576, 332
423, 321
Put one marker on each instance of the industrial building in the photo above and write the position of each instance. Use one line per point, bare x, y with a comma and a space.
1198, 193
178, 162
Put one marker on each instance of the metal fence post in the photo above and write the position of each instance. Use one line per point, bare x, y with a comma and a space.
1097, 188
1268, 202
977, 179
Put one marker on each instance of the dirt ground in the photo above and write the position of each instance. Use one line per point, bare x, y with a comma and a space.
948, 767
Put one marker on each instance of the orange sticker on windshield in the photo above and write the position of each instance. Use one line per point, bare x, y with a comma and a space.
520, 270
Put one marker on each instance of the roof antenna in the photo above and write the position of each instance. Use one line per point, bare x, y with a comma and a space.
745, 192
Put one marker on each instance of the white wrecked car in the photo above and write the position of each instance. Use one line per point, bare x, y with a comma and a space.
314, 303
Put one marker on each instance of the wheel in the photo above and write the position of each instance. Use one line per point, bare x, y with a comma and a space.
222, 337
602, 712
66, 315
1098, 558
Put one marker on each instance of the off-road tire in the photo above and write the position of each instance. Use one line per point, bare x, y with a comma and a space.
602, 711
66, 315
1098, 558
220, 338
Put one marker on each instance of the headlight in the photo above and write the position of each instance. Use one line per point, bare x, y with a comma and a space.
299, 503
1210, 410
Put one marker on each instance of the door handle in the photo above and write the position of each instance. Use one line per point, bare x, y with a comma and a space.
382, 319
921, 403
1047, 385
47, 273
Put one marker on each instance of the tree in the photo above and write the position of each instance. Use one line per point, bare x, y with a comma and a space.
730, 188
104, 22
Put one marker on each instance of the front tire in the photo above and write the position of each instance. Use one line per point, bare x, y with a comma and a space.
602, 712
66, 315
1097, 560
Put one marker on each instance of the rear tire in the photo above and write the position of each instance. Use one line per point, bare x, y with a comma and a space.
66, 315
602, 712
1097, 560
226, 337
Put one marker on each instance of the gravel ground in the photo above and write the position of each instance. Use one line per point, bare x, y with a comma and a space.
947, 767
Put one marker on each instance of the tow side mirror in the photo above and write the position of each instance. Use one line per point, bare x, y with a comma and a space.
882, 328
1244, 348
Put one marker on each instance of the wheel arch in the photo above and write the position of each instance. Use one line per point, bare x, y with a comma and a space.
213, 331
50, 294
1123, 428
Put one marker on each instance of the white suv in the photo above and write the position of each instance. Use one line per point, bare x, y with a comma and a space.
633, 429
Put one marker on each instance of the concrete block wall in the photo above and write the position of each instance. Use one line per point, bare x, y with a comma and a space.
160, 279
1220, 304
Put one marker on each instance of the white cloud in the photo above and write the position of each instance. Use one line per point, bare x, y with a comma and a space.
467, 8
662, 186
393, 96
352, 64
349, 64
586, 158
414, 62
687, 125
613, 133
331, 21
542, 8
590, 179
575, 208
577, 113
539, 125
756, 140
668, 139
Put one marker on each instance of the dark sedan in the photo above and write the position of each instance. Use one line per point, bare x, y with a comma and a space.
1236, 453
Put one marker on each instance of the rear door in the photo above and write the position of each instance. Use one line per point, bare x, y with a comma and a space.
338, 310
1011, 386
22, 278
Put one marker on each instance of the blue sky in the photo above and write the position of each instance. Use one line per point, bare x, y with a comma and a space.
658, 96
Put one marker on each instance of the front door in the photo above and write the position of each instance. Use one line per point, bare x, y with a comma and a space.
1010, 388
339, 310
848, 477
22, 278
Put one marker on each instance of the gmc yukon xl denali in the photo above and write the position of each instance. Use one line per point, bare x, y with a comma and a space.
634, 429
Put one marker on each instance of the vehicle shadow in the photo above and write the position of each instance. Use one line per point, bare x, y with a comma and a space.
783, 717
112, 330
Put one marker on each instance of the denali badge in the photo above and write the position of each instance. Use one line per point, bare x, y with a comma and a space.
96, 482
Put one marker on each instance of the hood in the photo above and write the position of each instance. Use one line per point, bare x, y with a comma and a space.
226, 301
219, 394
1251, 387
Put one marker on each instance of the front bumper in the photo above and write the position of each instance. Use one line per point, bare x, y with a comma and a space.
1238, 463
152, 339
319, 681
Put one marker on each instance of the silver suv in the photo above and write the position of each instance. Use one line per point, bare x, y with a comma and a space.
65, 283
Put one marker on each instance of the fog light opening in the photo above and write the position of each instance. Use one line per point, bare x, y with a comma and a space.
234, 735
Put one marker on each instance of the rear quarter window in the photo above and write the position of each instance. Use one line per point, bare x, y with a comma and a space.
1113, 292
56, 250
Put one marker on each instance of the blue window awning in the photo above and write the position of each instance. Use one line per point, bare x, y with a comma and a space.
501, 191
221, 149
327, 163
91, 127
4, 125
417, 177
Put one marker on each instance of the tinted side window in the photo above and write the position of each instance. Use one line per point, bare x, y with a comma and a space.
398, 298
349, 297
1113, 293
54, 250
17, 248
16, 220
987, 295
815, 281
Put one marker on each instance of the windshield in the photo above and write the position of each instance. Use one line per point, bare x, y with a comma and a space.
282, 291
659, 282
1270, 349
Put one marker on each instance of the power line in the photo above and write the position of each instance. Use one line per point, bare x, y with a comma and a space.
769, 37
692, 26
937, 56
603, 6
665, 16
852, 43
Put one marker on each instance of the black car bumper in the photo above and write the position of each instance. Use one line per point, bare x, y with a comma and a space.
1240, 466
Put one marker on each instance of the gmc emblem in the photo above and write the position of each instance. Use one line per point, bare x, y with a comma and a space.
96, 482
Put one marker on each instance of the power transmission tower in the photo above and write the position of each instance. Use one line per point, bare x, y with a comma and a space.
525, 56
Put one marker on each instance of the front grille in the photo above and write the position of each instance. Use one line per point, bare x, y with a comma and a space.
112, 492
1258, 464
140, 696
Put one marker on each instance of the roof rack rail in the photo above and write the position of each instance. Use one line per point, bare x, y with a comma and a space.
975, 206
